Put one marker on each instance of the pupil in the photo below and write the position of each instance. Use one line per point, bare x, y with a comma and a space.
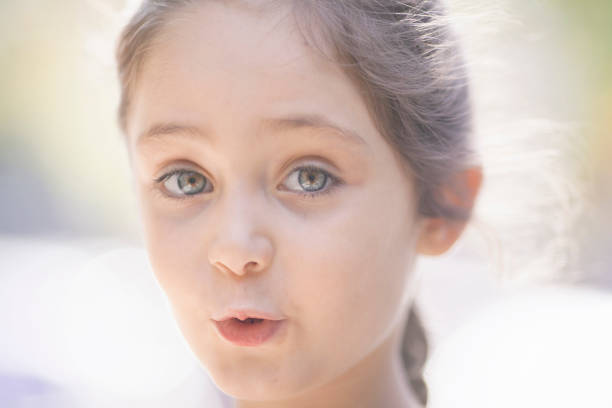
188, 182
309, 178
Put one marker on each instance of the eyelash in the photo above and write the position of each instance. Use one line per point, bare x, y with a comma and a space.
331, 183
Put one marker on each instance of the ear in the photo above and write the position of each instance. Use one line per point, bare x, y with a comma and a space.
437, 235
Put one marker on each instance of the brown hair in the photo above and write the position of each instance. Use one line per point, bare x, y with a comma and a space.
404, 57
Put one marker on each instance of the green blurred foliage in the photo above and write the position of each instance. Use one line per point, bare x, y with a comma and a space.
589, 24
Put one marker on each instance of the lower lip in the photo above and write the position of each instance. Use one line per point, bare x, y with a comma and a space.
248, 334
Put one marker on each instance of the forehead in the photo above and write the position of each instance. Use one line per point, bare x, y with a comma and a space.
223, 66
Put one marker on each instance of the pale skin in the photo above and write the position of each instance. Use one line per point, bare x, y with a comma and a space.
239, 103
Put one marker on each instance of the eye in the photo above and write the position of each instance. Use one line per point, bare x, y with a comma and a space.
312, 181
181, 183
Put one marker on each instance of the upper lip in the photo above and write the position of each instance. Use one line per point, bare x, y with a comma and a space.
243, 314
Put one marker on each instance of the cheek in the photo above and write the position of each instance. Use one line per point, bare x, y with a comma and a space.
176, 254
350, 277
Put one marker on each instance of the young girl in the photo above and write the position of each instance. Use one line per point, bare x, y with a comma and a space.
292, 159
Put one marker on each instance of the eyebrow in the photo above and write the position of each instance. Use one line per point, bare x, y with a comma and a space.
312, 121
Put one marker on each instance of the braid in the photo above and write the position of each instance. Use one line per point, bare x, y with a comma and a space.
414, 354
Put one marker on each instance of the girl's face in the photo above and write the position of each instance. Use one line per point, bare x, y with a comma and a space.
266, 188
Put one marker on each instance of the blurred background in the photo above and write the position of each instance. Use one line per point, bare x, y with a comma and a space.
520, 307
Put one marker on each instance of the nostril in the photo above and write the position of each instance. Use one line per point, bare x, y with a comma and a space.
222, 267
248, 267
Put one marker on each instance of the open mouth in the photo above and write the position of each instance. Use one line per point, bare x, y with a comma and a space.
250, 331
249, 320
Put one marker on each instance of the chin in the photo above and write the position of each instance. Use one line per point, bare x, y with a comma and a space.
253, 388
262, 381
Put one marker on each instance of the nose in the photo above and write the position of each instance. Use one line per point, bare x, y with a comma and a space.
239, 246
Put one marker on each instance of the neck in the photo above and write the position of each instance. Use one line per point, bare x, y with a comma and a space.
376, 381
